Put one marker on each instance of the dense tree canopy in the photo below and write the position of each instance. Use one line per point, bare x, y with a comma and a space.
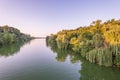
9, 35
99, 43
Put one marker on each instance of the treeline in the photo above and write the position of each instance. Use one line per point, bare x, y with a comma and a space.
10, 35
99, 42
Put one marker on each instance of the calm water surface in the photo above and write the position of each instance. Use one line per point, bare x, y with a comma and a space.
36, 61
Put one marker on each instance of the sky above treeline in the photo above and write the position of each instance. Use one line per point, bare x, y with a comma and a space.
43, 17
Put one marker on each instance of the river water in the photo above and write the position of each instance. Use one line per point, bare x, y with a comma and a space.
35, 61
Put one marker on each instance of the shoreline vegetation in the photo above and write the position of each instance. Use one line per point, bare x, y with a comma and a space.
10, 35
98, 43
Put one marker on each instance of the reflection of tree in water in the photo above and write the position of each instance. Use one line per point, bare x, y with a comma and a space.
94, 72
88, 71
62, 54
11, 49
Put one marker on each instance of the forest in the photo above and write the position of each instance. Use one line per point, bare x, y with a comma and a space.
98, 43
10, 35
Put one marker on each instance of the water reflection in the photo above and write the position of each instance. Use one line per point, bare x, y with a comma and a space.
11, 49
63, 54
94, 72
88, 71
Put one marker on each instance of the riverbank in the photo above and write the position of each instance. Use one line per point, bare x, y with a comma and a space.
99, 42
10, 35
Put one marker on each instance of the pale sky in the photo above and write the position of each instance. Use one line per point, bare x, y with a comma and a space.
43, 17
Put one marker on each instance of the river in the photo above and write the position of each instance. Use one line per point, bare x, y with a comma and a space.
36, 61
